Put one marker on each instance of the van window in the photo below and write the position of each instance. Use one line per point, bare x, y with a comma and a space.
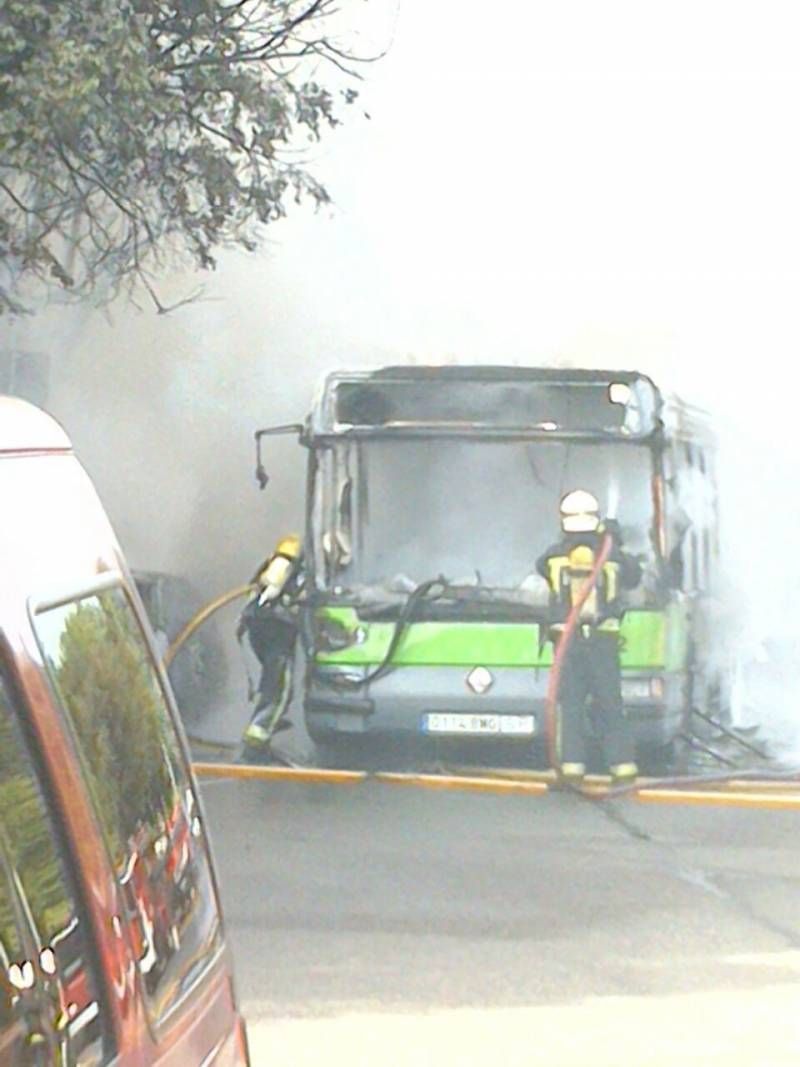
34, 847
144, 801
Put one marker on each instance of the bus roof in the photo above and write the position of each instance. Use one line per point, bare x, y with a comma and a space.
482, 372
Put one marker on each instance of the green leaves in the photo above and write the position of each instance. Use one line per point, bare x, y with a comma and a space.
135, 130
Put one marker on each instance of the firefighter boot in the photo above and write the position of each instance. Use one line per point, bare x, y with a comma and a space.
623, 773
571, 774
256, 744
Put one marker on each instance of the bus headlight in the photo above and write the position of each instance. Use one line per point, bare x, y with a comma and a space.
339, 674
331, 635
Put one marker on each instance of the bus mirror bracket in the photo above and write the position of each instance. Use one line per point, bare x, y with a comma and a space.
273, 431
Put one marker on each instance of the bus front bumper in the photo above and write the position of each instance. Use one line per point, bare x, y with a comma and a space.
441, 702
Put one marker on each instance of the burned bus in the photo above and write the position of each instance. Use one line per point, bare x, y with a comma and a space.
432, 491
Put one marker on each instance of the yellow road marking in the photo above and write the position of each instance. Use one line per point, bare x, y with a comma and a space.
278, 774
463, 783
721, 799
596, 786
600, 782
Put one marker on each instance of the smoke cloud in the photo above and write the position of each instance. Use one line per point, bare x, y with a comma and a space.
580, 184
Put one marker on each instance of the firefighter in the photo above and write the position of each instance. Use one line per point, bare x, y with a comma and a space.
270, 621
591, 666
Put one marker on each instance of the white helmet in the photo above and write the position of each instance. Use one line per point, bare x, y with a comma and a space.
580, 512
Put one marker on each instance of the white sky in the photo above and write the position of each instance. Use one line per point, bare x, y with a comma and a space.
594, 181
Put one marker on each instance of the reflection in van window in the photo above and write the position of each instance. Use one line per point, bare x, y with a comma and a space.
144, 801
12, 953
53, 917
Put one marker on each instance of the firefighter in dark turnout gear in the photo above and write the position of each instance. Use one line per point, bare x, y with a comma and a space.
270, 621
591, 666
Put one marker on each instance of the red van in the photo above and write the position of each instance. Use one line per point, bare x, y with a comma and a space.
112, 948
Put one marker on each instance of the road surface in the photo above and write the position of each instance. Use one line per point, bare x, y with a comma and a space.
374, 924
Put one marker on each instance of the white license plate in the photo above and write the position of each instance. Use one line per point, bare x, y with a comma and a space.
498, 725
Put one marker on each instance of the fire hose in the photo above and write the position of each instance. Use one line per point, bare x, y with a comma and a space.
554, 681
199, 618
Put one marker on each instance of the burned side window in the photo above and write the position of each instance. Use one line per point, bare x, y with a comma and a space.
143, 798
64, 967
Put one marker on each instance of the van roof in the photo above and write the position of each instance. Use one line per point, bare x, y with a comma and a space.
26, 428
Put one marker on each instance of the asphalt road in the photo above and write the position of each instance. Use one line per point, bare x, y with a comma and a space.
386, 925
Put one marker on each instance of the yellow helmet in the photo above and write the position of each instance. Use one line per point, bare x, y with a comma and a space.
289, 546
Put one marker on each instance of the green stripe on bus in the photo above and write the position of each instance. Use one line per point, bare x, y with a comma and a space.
651, 640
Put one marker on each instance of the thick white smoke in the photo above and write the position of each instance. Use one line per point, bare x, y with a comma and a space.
583, 184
